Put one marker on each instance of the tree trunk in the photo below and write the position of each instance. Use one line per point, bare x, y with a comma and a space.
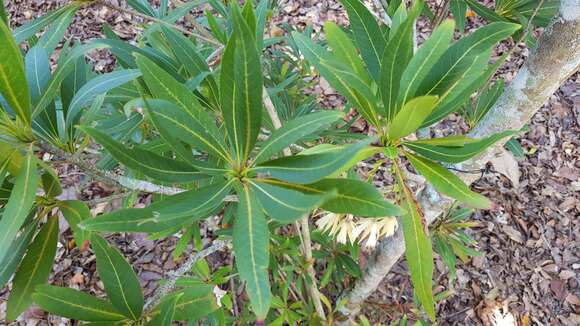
555, 59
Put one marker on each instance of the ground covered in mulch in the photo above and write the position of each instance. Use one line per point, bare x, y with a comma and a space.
529, 271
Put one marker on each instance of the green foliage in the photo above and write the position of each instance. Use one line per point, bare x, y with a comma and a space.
177, 111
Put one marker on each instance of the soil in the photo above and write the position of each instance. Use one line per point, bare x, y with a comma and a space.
529, 273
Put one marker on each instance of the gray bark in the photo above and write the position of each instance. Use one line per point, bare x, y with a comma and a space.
555, 59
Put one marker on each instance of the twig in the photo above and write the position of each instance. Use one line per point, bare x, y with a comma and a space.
184, 269
303, 228
159, 21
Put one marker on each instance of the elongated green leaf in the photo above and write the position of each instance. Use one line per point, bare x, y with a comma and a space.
411, 116
20, 202
344, 50
367, 34
241, 88
418, 249
65, 67
188, 55
310, 168
50, 181
13, 85
55, 32
350, 197
447, 183
15, 253
394, 61
146, 162
424, 59
120, 280
459, 10
462, 64
37, 71
3, 15
34, 269
286, 205
341, 77
29, 29
194, 127
94, 87
194, 302
74, 304
449, 141
166, 312
446, 252
252, 250
75, 211
293, 131
181, 209
486, 100
485, 12
456, 154
143, 7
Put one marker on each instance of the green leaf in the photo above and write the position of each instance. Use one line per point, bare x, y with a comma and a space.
121, 282
15, 253
341, 77
285, 205
310, 168
166, 312
515, 148
411, 116
34, 269
188, 55
447, 183
293, 131
150, 164
37, 67
195, 127
55, 32
65, 67
251, 247
241, 88
31, 28
367, 34
456, 154
13, 84
485, 12
3, 15
394, 61
75, 211
459, 11
183, 208
425, 58
418, 249
449, 141
350, 196
143, 7
94, 87
447, 255
194, 302
344, 50
74, 304
460, 66
20, 202
487, 98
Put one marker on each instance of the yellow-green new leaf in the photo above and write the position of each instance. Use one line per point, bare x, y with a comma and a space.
34, 269
418, 250
13, 84
447, 183
251, 246
411, 116
75, 304
120, 280
20, 202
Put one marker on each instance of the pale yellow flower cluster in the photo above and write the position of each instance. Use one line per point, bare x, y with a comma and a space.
346, 227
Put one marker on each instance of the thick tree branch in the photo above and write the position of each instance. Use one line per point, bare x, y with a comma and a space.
555, 59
